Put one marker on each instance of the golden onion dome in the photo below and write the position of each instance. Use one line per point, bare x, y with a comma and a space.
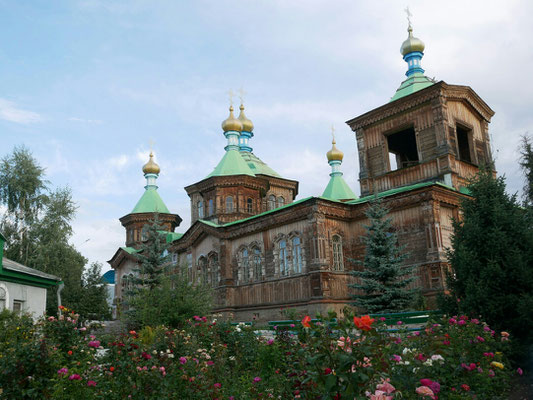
247, 125
151, 167
334, 154
231, 123
411, 44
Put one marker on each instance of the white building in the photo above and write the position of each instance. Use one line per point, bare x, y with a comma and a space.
23, 289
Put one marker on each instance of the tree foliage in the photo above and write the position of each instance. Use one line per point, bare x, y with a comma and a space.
384, 278
159, 297
93, 298
491, 258
37, 225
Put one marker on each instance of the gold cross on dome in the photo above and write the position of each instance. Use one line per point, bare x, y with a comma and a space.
409, 15
242, 93
333, 132
151, 145
231, 94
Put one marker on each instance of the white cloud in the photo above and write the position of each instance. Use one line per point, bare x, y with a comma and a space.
10, 112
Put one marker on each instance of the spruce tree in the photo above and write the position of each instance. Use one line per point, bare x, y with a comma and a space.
492, 257
384, 278
153, 256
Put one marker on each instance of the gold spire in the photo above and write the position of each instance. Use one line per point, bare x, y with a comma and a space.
231, 123
247, 125
151, 167
334, 154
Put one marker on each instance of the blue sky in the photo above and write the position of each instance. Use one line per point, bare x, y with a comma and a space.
86, 85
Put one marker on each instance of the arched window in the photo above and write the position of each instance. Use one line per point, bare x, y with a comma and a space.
200, 209
338, 258
250, 205
203, 269
271, 202
297, 255
281, 201
229, 204
283, 266
214, 269
211, 207
4, 297
258, 273
245, 266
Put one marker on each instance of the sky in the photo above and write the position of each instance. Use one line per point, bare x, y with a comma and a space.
89, 85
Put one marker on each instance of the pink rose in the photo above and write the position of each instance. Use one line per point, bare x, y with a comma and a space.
425, 391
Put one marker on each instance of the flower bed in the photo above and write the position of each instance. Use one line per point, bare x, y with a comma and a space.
457, 358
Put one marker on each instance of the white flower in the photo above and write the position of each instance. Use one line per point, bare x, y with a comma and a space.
437, 357
428, 362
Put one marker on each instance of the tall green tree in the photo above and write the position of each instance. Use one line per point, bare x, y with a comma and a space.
37, 225
161, 293
23, 191
93, 297
492, 257
385, 278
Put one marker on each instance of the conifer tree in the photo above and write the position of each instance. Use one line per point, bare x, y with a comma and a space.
491, 259
384, 278
153, 256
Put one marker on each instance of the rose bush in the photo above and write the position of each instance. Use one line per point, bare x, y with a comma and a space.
327, 358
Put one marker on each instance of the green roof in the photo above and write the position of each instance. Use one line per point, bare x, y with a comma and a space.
130, 250
150, 202
414, 83
397, 190
210, 223
172, 236
231, 164
257, 165
338, 189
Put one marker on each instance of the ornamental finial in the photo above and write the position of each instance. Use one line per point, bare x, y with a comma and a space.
409, 15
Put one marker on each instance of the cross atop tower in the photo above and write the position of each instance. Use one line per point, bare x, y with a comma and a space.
231, 94
242, 93
409, 15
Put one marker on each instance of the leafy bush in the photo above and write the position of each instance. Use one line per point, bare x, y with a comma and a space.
352, 358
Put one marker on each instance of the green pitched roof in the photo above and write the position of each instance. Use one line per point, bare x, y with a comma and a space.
231, 164
129, 250
150, 202
257, 165
338, 189
414, 83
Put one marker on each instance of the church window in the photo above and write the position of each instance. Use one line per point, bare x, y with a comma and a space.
229, 204
245, 266
271, 202
257, 263
283, 265
250, 205
130, 235
200, 209
3, 298
463, 143
338, 257
214, 269
211, 207
174, 258
297, 255
204, 270
18, 306
281, 201
144, 234
402, 149
189, 267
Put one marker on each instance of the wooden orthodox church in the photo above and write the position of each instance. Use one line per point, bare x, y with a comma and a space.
261, 250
